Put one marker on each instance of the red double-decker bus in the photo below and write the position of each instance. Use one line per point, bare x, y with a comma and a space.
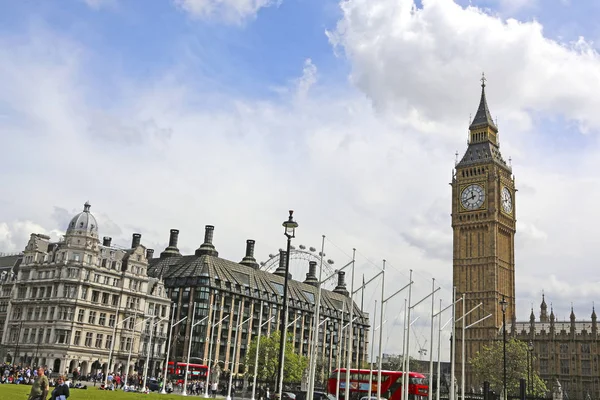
195, 371
391, 384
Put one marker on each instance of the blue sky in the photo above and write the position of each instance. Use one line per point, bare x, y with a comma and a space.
141, 39
165, 115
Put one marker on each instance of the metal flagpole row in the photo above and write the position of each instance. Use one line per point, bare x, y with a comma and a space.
187, 366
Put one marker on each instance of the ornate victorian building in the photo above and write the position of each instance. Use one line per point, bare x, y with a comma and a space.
484, 225
220, 288
74, 302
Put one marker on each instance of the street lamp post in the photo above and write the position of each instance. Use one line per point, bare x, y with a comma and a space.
530, 371
290, 232
173, 325
504, 303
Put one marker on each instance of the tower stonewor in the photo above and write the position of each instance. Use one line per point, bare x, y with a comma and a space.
484, 225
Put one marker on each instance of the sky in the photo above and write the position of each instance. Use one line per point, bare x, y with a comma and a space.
183, 113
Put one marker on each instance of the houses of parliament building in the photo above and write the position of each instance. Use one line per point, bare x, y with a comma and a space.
484, 225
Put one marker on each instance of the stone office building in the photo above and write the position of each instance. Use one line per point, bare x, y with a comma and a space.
74, 300
564, 350
219, 287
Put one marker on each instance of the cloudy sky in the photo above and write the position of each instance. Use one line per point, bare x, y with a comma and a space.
177, 114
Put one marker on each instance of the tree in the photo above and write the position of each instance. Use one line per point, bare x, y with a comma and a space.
268, 360
488, 366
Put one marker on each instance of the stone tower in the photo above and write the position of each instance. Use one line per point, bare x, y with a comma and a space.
483, 223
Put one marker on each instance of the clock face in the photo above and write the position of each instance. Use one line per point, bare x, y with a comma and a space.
506, 200
472, 197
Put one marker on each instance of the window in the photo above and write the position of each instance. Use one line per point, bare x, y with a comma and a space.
115, 299
80, 316
108, 341
102, 319
97, 278
585, 348
61, 336
125, 343
34, 292
89, 259
77, 338
25, 334
105, 298
95, 296
586, 368
48, 333
16, 313
76, 257
92, 317
84, 293
51, 313
21, 293
99, 338
564, 366
564, 349
73, 273
111, 320
88, 339
106, 280
70, 291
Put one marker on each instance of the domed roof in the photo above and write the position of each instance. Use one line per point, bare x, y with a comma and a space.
83, 223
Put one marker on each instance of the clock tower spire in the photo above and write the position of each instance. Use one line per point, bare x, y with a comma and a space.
484, 227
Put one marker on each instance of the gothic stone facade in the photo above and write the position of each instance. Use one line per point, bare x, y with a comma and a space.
66, 305
567, 351
484, 225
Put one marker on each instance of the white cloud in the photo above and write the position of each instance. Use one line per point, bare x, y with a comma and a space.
374, 178
307, 80
233, 11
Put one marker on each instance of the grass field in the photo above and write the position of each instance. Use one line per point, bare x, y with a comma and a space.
20, 392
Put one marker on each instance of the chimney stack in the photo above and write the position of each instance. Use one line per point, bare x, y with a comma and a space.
172, 250
135, 241
281, 269
341, 286
207, 248
311, 277
149, 254
106, 241
249, 259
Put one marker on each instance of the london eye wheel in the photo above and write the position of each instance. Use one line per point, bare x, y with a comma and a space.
300, 258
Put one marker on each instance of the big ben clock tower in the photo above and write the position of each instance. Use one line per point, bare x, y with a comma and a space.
484, 226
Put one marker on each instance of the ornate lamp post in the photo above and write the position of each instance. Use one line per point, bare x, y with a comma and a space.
504, 303
290, 232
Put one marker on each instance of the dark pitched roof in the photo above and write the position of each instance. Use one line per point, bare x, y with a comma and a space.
482, 153
185, 271
11, 262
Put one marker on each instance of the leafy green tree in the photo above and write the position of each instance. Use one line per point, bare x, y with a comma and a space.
268, 360
488, 366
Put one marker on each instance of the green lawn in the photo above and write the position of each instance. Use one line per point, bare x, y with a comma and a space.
20, 392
